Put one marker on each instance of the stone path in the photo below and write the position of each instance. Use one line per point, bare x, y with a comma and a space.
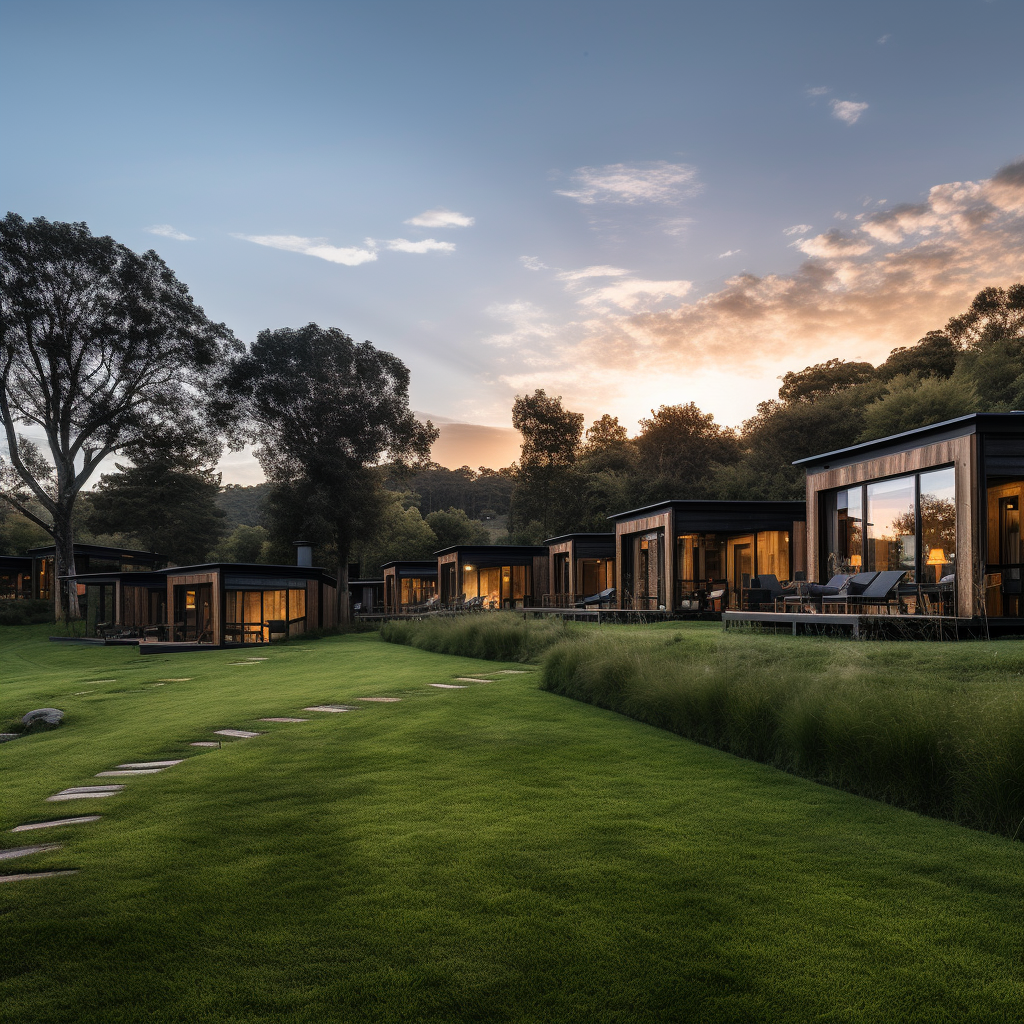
238, 734
468, 679
54, 824
205, 743
284, 719
26, 851
331, 708
381, 700
127, 771
448, 686
151, 764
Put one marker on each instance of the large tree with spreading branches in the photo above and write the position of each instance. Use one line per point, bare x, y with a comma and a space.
102, 352
328, 417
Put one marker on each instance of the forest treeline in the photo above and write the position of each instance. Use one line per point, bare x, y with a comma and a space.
570, 476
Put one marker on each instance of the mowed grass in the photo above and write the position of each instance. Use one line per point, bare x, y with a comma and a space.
495, 853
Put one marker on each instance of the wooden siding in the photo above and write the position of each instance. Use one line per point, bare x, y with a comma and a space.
330, 605
541, 578
645, 525
962, 452
565, 548
799, 546
194, 579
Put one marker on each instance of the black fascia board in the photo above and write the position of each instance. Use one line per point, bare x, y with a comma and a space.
496, 554
100, 549
695, 512
154, 580
22, 562
412, 564
578, 537
1007, 423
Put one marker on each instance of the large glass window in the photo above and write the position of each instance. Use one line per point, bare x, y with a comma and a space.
938, 524
773, 553
892, 525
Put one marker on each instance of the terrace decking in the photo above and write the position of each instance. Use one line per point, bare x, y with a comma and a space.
894, 627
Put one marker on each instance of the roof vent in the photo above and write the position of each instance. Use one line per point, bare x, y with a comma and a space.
303, 553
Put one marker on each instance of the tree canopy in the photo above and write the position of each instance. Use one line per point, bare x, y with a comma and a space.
326, 414
102, 351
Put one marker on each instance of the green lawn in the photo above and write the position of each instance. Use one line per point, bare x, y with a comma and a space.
496, 853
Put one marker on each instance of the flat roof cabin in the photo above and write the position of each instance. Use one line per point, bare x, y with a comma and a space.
580, 565
492, 576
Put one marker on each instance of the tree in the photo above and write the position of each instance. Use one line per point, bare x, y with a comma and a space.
828, 378
545, 484
325, 413
164, 505
910, 402
995, 314
679, 448
104, 352
403, 535
608, 447
455, 527
248, 544
934, 355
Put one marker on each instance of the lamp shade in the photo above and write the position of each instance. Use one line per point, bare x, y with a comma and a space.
855, 561
937, 556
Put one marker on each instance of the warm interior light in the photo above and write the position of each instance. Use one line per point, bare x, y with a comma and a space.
468, 568
936, 557
190, 599
855, 561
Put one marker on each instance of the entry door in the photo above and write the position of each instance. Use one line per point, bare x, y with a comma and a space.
743, 566
1010, 554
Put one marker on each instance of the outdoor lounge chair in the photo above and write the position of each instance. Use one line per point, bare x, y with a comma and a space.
882, 590
812, 593
598, 599
766, 589
474, 604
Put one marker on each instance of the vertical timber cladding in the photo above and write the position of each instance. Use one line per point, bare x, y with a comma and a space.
541, 579
962, 452
665, 520
313, 615
565, 548
452, 558
194, 579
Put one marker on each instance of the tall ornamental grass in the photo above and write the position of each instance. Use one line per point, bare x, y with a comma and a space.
491, 635
935, 728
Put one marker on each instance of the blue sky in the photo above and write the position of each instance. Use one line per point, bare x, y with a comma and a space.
628, 204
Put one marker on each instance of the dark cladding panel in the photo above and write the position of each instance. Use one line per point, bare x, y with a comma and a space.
235, 582
1004, 456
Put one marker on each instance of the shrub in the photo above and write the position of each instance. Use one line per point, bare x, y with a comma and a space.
490, 635
25, 613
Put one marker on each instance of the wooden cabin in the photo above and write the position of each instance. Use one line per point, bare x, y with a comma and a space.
409, 585
89, 558
216, 605
674, 555
492, 576
15, 577
580, 565
942, 503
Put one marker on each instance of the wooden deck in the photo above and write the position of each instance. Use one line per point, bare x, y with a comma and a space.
893, 627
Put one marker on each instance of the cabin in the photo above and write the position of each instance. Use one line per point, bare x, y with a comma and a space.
580, 565
215, 605
492, 576
365, 597
681, 556
15, 578
89, 558
942, 503
409, 585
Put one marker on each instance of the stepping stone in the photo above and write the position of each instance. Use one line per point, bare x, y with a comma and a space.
239, 734
471, 679
54, 824
127, 771
447, 686
25, 851
154, 684
76, 796
331, 708
151, 764
284, 719
241, 662
180, 679
116, 788
255, 659
205, 743
381, 700
513, 671
82, 693
36, 874
6, 737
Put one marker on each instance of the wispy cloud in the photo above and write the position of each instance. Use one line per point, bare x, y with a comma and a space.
847, 110
884, 39
349, 256
633, 294
441, 218
528, 326
533, 263
798, 229
427, 245
657, 182
167, 231
589, 272
819, 90
729, 252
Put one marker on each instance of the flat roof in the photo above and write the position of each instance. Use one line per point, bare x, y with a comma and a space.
100, 549
944, 430
493, 549
411, 563
580, 536
225, 568
701, 507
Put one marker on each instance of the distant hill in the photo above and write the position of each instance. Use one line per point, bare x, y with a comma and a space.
243, 505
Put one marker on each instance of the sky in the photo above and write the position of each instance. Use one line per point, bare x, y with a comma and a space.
627, 204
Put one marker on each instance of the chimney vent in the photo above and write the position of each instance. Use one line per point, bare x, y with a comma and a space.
303, 553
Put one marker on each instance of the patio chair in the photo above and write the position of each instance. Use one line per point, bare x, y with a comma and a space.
883, 590
598, 599
812, 593
474, 604
716, 596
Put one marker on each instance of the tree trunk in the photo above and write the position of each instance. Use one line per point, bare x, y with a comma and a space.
65, 594
344, 611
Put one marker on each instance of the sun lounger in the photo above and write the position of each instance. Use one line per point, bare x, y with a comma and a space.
881, 591
812, 593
